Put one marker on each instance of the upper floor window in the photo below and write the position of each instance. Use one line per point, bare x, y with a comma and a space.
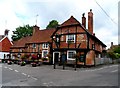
33, 45
70, 38
93, 46
45, 45
20, 50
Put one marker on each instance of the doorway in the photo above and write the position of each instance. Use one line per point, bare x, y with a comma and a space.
56, 56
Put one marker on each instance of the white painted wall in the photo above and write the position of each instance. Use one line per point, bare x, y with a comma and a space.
2, 55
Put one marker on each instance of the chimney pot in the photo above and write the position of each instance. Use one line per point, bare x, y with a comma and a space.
111, 44
6, 32
35, 28
83, 20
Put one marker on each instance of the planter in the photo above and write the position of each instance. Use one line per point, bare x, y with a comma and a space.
23, 63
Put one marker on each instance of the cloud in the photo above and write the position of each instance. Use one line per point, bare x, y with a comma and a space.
20, 12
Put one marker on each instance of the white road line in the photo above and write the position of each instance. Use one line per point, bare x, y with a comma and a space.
114, 71
5, 67
16, 71
28, 76
10, 68
24, 74
34, 78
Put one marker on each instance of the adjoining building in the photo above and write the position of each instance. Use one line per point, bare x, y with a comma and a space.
70, 38
5, 45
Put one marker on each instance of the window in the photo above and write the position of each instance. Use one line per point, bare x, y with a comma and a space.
33, 45
44, 53
70, 38
45, 46
20, 50
71, 54
93, 46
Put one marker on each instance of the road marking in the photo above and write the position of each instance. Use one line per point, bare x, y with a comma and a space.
28, 76
10, 68
5, 67
34, 78
114, 71
16, 71
24, 74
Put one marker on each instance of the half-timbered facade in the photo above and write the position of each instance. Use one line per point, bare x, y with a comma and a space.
72, 38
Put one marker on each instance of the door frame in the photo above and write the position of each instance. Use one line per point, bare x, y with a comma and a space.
54, 56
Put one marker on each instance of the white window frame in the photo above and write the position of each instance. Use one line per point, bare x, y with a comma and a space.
43, 53
68, 54
71, 40
45, 45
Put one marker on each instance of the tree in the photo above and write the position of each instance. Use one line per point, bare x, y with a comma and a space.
52, 24
114, 53
20, 32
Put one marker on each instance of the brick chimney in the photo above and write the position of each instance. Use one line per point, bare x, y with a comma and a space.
83, 20
35, 28
111, 44
90, 21
6, 32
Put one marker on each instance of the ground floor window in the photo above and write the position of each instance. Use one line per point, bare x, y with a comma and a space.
71, 54
44, 53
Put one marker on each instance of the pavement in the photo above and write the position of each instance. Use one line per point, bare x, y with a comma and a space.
45, 75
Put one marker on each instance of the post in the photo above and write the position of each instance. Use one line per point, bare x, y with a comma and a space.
54, 65
75, 63
63, 65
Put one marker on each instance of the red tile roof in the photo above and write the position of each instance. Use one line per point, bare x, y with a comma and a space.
21, 42
41, 36
70, 21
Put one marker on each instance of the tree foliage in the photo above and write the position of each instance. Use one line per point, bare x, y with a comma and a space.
52, 24
20, 32
114, 53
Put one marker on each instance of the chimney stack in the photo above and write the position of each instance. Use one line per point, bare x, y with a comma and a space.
111, 44
90, 21
83, 20
6, 32
35, 28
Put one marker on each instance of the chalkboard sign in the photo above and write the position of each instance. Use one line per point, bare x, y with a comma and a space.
81, 59
63, 57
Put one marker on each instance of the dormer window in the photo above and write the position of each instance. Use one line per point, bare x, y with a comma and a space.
70, 38
34, 45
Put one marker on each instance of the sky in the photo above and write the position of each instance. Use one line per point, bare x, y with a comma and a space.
15, 13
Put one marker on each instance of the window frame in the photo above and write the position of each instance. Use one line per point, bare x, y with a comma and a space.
45, 45
67, 37
43, 53
33, 45
68, 58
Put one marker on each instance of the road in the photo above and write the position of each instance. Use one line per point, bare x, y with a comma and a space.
45, 75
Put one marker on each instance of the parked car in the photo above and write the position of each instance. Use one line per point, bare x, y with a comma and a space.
9, 62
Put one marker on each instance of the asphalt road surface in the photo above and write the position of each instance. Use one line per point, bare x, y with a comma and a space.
45, 75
